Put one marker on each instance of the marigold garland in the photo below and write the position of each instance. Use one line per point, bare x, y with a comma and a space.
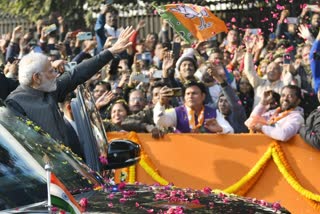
287, 172
132, 174
146, 163
242, 186
251, 174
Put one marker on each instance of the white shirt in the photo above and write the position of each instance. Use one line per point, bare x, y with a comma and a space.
283, 129
110, 31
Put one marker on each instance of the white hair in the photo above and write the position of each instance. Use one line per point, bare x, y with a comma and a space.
30, 64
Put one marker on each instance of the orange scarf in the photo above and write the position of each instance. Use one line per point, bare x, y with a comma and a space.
277, 115
191, 117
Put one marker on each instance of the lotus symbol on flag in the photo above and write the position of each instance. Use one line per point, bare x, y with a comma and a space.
190, 13
192, 22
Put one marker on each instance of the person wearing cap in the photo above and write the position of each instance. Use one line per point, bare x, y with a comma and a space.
176, 74
185, 68
191, 117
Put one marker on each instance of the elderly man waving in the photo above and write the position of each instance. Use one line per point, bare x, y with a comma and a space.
41, 88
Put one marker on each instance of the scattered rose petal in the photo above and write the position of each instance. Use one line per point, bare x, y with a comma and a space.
207, 190
276, 206
110, 204
233, 19
83, 203
196, 201
103, 160
122, 200
111, 196
122, 185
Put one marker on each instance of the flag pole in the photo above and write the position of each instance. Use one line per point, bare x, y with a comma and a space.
48, 168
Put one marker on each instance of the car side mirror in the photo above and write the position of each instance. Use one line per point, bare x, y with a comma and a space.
122, 153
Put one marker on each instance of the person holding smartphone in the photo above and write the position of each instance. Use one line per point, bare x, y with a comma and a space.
192, 116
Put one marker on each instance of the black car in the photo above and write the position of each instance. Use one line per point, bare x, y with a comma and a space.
25, 149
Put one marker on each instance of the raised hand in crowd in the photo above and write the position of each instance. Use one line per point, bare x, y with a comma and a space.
256, 122
11, 69
216, 71
59, 65
305, 33
250, 42
141, 24
89, 45
123, 41
44, 35
104, 99
125, 76
23, 43
283, 15
312, 8
167, 64
62, 50
16, 34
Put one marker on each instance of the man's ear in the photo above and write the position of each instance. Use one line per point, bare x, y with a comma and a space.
36, 79
68, 107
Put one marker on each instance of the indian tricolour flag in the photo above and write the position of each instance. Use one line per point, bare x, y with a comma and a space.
61, 197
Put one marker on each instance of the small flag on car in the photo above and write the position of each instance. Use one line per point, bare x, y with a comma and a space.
61, 197
192, 22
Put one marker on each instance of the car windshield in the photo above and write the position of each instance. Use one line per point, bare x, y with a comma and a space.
36, 146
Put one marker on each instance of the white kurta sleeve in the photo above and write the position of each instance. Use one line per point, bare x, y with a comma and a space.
164, 118
227, 128
285, 128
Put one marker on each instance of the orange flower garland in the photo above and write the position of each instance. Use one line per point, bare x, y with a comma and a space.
242, 186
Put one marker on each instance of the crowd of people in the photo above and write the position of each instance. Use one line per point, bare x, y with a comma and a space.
250, 82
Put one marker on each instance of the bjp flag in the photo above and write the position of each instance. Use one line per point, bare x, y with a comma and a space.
191, 21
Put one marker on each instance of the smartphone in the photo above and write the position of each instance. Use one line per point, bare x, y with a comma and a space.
292, 20
84, 36
69, 66
177, 92
140, 78
157, 74
54, 53
255, 31
50, 28
286, 59
176, 48
147, 56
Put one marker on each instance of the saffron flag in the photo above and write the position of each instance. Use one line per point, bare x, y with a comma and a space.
191, 21
61, 197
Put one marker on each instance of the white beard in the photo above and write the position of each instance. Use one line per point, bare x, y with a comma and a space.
48, 85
